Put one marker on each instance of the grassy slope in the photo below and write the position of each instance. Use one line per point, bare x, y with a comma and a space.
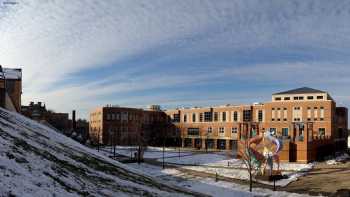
35, 160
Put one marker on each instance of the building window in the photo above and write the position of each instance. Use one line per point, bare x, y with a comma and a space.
277, 98
176, 118
207, 116
310, 98
273, 131
301, 98
193, 117
234, 129
322, 132
286, 98
193, 131
321, 113
319, 97
200, 117
210, 130
224, 116
108, 116
222, 130
235, 116
216, 116
185, 117
285, 132
247, 115
296, 98
260, 116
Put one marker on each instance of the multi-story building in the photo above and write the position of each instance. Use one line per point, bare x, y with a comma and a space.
38, 112
128, 126
307, 120
10, 88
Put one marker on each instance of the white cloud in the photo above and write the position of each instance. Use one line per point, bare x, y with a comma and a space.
51, 39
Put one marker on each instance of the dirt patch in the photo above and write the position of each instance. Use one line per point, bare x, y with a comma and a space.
323, 179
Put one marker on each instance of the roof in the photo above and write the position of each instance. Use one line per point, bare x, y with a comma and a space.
10, 73
303, 90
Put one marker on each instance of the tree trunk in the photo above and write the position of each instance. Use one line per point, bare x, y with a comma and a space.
250, 180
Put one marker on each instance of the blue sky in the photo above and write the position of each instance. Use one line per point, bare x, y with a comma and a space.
84, 54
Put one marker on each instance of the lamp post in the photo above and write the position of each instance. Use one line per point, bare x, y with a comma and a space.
163, 131
98, 140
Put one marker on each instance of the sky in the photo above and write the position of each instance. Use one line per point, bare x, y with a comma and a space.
83, 54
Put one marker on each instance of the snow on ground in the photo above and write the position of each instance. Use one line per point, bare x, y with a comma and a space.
212, 162
150, 153
338, 159
206, 185
224, 166
37, 161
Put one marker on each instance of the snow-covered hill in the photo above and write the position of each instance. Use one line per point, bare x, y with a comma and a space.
37, 161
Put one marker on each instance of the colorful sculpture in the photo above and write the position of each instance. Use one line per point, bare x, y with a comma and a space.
264, 152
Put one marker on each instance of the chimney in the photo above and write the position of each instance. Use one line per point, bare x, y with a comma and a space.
73, 120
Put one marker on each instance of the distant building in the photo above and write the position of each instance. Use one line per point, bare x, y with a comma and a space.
130, 126
307, 120
10, 88
38, 111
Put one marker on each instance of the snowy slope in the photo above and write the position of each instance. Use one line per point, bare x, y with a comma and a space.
37, 161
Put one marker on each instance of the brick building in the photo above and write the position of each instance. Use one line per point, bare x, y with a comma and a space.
10, 88
129, 126
307, 120
38, 112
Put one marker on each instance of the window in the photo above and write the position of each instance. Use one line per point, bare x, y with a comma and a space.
321, 131
216, 116
207, 116
284, 131
210, 130
193, 131
301, 98
321, 113
176, 118
247, 115
319, 97
235, 116
296, 98
200, 117
222, 130
310, 98
224, 116
277, 98
286, 98
108, 116
234, 129
185, 117
193, 117
273, 131
260, 116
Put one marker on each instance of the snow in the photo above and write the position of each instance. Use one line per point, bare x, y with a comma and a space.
224, 166
11, 73
337, 160
37, 161
206, 185
150, 153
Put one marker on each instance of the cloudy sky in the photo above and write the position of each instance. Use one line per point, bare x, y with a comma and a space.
84, 54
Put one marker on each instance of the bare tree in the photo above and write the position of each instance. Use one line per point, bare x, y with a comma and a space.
247, 158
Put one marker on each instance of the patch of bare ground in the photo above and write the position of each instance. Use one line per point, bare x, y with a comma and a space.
327, 180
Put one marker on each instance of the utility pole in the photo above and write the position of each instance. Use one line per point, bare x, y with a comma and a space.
114, 142
98, 140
